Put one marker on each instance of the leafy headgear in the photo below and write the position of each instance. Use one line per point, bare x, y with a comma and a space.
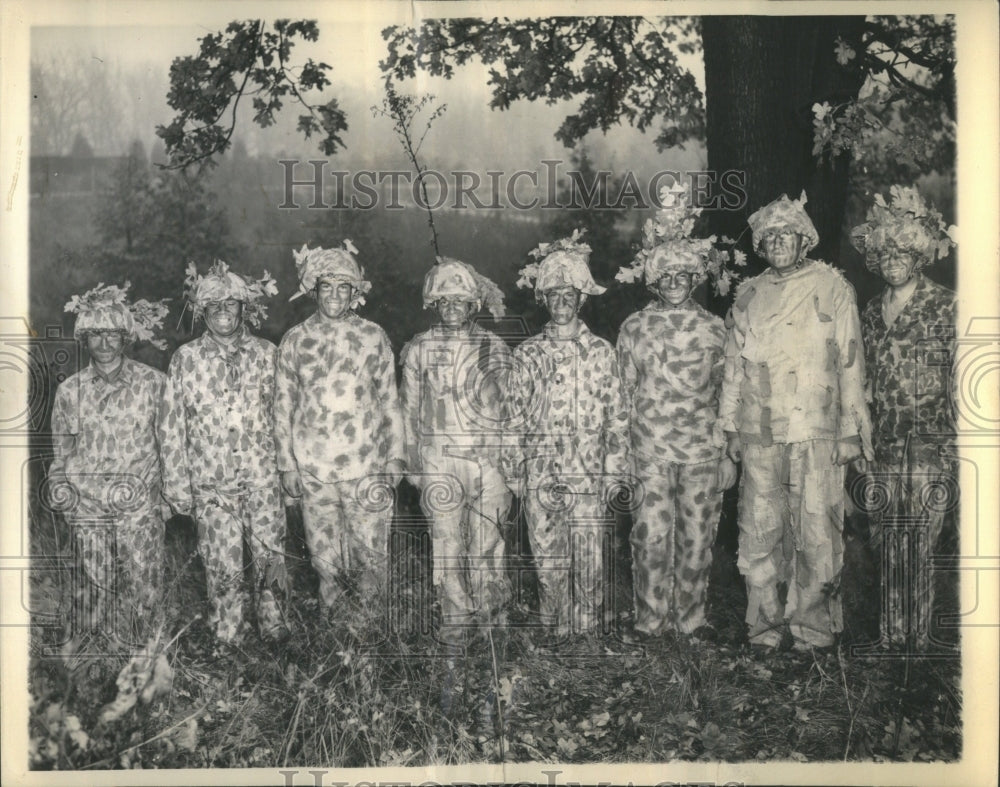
907, 223
332, 265
784, 215
107, 308
221, 284
667, 245
564, 263
454, 278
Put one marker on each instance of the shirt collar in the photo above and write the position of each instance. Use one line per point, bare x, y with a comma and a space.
123, 374
802, 269
217, 347
908, 313
317, 321
581, 332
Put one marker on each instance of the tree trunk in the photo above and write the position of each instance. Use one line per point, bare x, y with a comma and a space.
762, 76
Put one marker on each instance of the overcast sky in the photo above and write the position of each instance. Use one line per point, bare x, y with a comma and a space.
351, 42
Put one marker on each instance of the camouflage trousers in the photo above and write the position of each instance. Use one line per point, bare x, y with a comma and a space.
118, 565
672, 535
347, 532
791, 519
465, 503
906, 523
569, 532
240, 534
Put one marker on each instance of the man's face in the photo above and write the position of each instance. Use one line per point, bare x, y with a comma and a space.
455, 311
562, 303
782, 250
674, 287
105, 347
897, 266
223, 318
334, 298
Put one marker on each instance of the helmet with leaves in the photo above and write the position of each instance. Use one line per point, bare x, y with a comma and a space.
221, 284
784, 215
561, 263
331, 265
907, 223
667, 244
454, 278
107, 308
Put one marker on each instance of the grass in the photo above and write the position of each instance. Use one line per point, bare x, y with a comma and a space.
354, 691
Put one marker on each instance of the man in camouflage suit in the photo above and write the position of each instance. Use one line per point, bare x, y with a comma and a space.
217, 436
453, 378
909, 333
566, 445
339, 428
794, 412
105, 476
671, 356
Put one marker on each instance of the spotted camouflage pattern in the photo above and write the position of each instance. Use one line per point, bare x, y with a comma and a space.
337, 414
451, 394
911, 366
671, 362
105, 479
347, 532
904, 535
566, 435
241, 541
672, 537
217, 440
338, 422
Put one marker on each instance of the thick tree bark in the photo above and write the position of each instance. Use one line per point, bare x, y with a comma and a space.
762, 76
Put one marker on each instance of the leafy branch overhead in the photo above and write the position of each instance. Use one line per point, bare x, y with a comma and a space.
248, 60
623, 68
905, 112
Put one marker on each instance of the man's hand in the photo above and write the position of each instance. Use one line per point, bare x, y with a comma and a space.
846, 451
725, 475
291, 482
733, 449
395, 470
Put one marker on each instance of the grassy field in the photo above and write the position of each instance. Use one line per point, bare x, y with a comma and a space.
373, 687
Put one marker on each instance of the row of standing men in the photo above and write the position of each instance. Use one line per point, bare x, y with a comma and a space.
238, 427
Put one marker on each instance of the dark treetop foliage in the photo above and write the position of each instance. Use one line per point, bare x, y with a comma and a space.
625, 68
248, 59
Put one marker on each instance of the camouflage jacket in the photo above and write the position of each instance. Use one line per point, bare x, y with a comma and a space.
794, 368
452, 388
337, 413
671, 363
565, 411
216, 429
910, 374
104, 434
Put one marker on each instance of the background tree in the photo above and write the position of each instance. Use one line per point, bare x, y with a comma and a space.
763, 75
248, 59
404, 111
